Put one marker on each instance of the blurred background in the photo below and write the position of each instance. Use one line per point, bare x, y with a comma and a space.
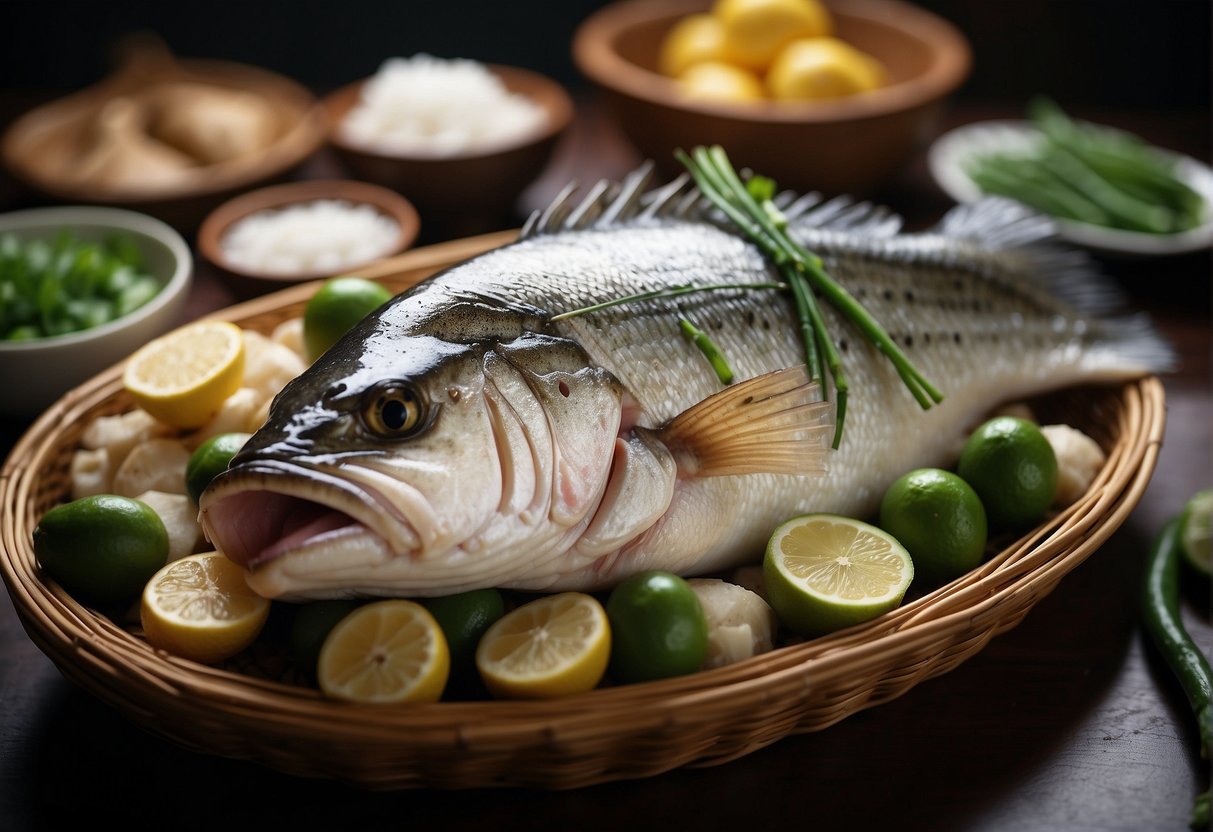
1090, 54
1130, 63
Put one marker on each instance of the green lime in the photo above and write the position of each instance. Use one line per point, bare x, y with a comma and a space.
1013, 469
464, 617
940, 520
312, 623
1194, 525
824, 572
658, 628
335, 308
211, 459
103, 549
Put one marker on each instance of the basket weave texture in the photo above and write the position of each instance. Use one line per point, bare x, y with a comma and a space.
615, 733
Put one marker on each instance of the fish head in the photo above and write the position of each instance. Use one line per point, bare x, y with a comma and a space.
408, 462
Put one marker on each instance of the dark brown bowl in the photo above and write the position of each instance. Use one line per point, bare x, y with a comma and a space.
483, 185
248, 283
847, 145
44, 143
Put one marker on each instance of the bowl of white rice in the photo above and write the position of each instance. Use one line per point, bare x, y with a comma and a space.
284, 234
458, 137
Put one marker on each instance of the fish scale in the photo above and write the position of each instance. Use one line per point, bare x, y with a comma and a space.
514, 403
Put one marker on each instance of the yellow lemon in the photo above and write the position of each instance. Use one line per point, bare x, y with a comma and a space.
386, 652
756, 30
693, 39
817, 68
553, 646
183, 378
716, 81
200, 608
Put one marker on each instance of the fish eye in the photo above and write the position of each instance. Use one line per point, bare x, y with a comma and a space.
393, 410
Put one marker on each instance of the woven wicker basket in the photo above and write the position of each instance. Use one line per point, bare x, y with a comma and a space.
613, 733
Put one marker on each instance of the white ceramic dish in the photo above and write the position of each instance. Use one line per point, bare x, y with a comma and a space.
948, 154
33, 374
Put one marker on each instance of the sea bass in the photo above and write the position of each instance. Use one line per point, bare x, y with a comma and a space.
464, 436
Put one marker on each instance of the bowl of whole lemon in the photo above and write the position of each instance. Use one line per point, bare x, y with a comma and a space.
819, 96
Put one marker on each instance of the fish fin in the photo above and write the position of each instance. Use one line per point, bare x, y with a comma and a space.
774, 423
607, 203
842, 214
1066, 273
611, 203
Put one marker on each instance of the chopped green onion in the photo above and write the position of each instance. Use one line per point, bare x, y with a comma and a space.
750, 206
805, 274
710, 350
61, 285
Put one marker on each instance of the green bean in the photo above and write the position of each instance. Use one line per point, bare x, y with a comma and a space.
1021, 180
1162, 621
1093, 174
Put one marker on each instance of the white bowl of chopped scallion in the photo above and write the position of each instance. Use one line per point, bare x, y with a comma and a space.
80, 289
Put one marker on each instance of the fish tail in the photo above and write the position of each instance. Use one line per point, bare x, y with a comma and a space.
1126, 344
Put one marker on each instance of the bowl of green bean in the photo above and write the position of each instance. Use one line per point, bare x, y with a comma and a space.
81, 288
1106, 189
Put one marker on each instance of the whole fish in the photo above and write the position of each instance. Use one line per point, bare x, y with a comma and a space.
459, 437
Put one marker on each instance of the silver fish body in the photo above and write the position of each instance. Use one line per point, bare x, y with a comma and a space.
461, 438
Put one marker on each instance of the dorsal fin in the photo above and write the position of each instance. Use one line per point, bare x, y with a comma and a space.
610, 203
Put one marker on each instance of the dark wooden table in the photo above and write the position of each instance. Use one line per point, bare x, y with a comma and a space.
1067, 722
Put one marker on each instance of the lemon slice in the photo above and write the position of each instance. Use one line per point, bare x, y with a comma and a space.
553, 646
183, 378
824, 572
387, 652
200, 608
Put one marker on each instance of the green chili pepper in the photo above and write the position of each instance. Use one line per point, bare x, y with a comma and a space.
1162, 621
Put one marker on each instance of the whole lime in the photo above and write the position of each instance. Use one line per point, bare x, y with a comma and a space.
464, 618
940, 521
1013, 469
658, 628
209, 460
312, 623
103, 549
335, 308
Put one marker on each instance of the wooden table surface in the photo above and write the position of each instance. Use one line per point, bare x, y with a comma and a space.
1067, 722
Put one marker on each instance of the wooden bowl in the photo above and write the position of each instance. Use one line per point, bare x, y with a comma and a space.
466, 190
845, 145
247, 282
43, 148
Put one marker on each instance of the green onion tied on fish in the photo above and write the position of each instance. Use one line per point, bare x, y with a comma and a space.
556, 413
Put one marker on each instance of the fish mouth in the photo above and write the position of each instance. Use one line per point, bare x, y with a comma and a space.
265, 510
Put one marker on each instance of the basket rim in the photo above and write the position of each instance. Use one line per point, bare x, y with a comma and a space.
942, 628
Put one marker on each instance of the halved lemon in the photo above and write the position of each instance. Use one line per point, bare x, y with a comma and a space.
386, 653
553, 646
200, 608
182, 378
824, 572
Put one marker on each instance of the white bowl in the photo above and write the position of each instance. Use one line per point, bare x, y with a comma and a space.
33, 374
950, 152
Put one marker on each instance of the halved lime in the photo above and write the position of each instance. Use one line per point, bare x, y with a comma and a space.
1194, 530
824, 572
